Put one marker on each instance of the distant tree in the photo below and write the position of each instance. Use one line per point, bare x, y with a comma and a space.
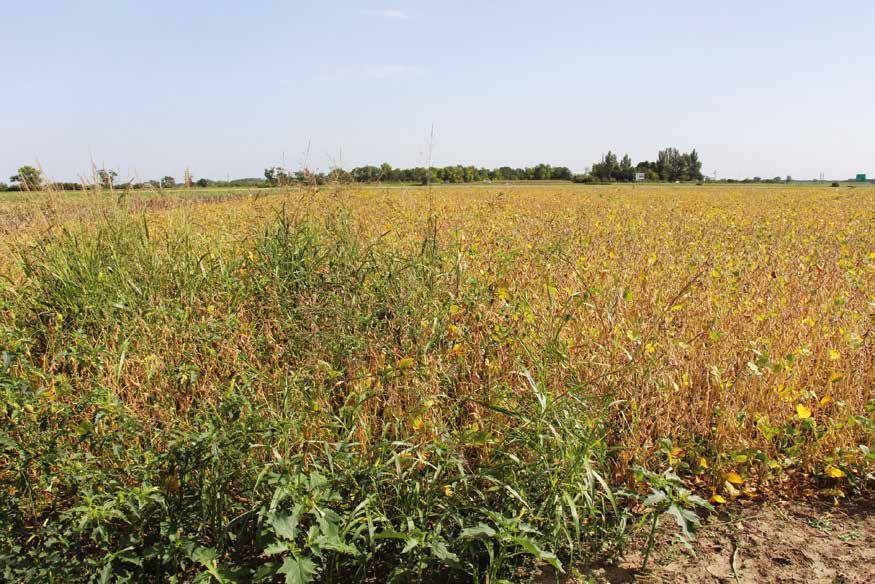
202, 183
67, 186
608, 169
561, 173
452, 174
106, 178
278, 176
3, 187
28, 178
366, 174
627, 171
612, 165
168, 182
670, 165
694, 166
339, 175
426, 176
541, 172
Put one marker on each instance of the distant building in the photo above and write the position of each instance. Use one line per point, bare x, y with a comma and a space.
640, 176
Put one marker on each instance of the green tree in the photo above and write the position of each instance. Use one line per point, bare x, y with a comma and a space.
28, 178
168, 182
543, 172
561, 173
670, 165
106, 178
339, 175
627, 171
278, 176
607, 169
694, 166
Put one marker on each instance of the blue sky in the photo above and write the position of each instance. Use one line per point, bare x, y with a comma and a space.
227, 88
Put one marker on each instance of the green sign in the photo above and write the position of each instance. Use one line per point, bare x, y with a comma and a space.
861, 178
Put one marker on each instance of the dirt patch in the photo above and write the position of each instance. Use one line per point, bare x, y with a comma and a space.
777, 543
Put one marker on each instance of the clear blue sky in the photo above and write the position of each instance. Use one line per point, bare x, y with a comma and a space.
149, 87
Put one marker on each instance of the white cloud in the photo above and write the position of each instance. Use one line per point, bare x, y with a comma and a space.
388, 14
370, 72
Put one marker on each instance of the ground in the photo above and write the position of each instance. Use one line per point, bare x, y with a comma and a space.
778, 542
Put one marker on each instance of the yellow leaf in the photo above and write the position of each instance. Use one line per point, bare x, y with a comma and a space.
825, 400
418, 423
715, 498
834, 355
834, 472
405, 363
734, 478
803, 412
703, 463
448, 490
676, 453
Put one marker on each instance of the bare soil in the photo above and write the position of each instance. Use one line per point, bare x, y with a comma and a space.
787, 542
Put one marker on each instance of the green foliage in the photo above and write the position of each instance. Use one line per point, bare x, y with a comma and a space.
106, 178
671, 165
456, 174
668, 496
106, 479
28, 178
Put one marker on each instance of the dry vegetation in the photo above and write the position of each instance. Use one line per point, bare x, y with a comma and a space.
452, 382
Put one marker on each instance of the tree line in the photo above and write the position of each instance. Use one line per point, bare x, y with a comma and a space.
29, 178
419, 175
670, 165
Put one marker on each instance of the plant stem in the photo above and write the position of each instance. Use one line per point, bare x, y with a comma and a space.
650, 540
